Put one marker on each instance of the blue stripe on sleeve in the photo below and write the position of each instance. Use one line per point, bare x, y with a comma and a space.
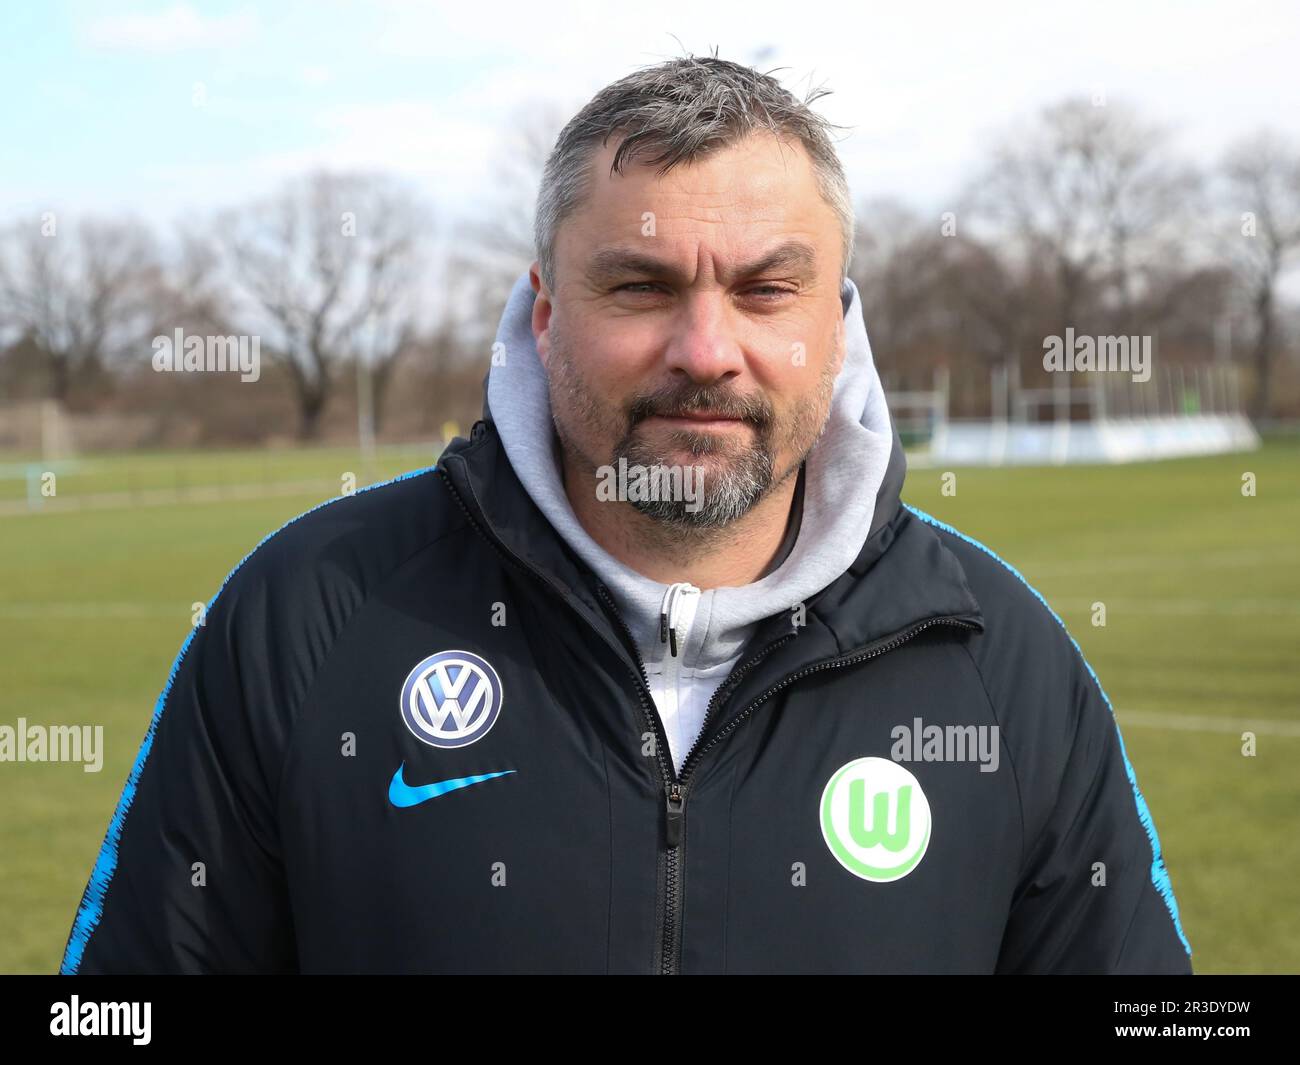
91, 908
1159, 874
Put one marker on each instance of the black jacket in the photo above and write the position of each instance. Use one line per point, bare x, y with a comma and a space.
308, 799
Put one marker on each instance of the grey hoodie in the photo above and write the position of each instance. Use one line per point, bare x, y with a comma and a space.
829, 522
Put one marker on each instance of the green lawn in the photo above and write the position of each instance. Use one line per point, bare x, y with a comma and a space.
1202, 593
1201, 587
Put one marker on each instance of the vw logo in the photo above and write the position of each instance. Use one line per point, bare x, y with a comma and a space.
451, 699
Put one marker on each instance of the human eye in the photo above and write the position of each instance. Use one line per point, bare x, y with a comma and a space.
772, 293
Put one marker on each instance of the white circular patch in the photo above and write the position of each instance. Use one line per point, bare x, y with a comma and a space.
875, 819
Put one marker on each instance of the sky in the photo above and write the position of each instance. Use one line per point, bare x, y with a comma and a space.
172, 109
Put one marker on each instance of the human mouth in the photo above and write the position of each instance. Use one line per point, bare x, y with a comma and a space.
698, 420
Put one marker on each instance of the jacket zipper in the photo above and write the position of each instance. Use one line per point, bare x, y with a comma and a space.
671, 943
675, 825
675, 792
676, 787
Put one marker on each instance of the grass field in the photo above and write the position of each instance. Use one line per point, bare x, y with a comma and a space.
1202, 641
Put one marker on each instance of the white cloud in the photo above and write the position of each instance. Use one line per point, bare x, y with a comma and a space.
448, 157
174, 29
315, 75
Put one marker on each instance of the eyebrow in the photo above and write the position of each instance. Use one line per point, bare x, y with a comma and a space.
607, 264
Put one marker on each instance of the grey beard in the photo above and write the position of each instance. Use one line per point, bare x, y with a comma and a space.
725, 495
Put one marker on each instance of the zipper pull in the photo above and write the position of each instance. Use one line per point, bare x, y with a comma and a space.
676, 815
667, 623
669, 610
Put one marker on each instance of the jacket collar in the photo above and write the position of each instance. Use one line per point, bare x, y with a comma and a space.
903, 577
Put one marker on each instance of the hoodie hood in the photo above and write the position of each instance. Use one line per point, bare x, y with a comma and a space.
855, 466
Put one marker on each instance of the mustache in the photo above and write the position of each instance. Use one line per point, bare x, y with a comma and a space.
677, 402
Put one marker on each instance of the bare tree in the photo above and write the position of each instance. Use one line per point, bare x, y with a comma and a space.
1090, 193
327, 271
892, 304
502, 237
929, 291
1261, 177
81, 293
491, 249
194, 293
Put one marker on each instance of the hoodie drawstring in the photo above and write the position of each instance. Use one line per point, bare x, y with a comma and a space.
670, 612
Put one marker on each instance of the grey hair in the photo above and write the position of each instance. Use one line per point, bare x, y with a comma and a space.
683, 108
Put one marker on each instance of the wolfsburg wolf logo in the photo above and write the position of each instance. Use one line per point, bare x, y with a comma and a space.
875, 819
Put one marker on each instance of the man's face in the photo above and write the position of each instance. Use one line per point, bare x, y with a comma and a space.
696, 322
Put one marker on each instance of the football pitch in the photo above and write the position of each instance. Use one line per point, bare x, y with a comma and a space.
1199, 585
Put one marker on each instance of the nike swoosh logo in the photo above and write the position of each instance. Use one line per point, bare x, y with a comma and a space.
402, 794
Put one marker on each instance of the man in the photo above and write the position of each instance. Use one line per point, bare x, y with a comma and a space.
540, 710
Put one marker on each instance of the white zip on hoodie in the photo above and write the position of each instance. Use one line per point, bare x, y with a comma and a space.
681, 707
682, 692
829, 521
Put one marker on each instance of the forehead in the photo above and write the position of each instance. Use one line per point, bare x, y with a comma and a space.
739, 197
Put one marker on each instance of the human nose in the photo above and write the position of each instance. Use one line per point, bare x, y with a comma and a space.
704, 343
